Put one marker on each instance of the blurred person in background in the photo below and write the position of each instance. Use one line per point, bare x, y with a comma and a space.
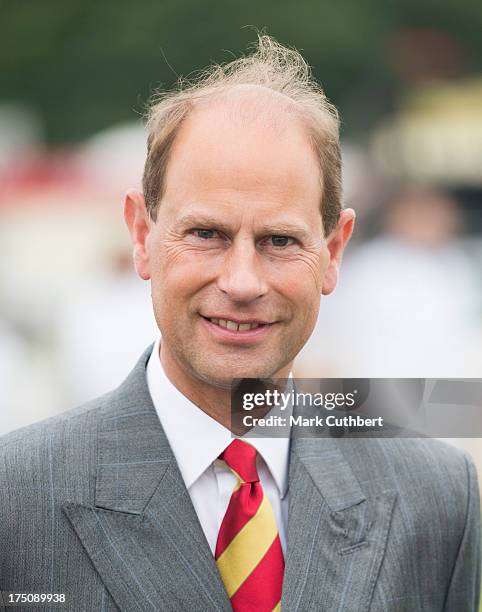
409, 299
141, 499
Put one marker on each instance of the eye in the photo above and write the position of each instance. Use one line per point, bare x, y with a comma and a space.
281, 241
205, 234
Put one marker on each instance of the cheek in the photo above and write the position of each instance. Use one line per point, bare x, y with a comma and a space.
177, 273
300, 285
306, 296
299, 290
302, 277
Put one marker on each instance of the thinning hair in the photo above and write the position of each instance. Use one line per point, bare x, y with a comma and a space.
274, 67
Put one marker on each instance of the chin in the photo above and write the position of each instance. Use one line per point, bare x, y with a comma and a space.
224, 376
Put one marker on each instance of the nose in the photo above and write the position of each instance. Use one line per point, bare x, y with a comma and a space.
241, 278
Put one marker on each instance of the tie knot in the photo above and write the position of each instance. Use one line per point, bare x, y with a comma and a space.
241, 458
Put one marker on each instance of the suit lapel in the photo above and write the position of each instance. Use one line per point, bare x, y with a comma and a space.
143, 535
336, 535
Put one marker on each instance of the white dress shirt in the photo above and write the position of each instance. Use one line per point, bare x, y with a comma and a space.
197, 440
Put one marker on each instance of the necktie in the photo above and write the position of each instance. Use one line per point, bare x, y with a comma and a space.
248, 549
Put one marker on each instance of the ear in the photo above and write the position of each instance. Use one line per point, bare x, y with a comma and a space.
138, 222
336, 243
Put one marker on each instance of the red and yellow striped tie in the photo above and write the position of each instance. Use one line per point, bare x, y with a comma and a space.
248, 550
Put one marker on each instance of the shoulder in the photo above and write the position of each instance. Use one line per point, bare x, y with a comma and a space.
408, 461
427, 455
433, 479
61, 438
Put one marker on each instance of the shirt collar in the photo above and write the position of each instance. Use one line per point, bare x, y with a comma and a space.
195, 438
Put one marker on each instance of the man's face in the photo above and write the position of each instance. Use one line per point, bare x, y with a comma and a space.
236, 257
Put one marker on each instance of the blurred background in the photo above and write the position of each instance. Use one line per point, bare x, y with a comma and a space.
75, 80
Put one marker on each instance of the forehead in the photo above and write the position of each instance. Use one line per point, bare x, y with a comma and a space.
245, 142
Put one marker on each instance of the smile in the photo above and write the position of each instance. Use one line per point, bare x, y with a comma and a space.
238, 332
234, 325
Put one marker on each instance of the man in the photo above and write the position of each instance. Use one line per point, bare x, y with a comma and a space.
142, 499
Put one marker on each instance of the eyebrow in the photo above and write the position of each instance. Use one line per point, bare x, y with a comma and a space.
277, 227
287, 228
198, 219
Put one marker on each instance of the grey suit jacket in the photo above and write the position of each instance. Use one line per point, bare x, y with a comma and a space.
92, 504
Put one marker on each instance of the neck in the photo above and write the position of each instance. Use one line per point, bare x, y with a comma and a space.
211, 399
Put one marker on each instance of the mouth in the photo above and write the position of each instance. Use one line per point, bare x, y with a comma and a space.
236, 326
238, 330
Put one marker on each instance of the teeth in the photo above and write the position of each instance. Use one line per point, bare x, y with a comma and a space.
233, 326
